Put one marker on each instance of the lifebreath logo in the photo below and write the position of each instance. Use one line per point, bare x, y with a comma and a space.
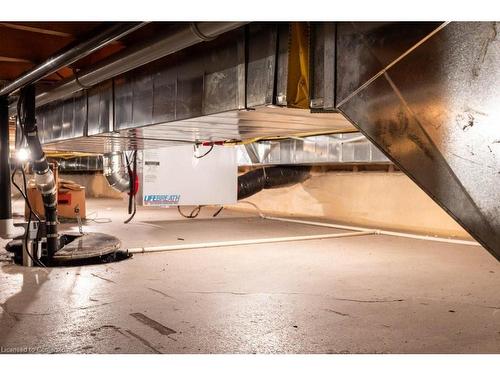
161, 199
19, 349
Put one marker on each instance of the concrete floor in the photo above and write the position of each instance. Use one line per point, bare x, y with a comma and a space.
370, 294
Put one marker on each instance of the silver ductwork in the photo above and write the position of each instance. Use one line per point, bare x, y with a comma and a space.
115, 171
133, 57
347, 148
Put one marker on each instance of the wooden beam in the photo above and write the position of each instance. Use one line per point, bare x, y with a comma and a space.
15, 60
37, 30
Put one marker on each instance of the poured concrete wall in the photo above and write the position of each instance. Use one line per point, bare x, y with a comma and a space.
387, 200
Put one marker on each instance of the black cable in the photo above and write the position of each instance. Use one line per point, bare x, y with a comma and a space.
31, 212
129, 163
218, 211
133, 212
36, 261
132, 173
15, 183
77, 80
19, 144
129, 171
205, 154
194, 213
23, 194
21, 117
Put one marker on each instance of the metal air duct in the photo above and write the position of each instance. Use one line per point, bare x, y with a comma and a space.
114, 171
133, 57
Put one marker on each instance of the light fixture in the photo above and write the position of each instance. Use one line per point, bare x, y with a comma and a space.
23, 154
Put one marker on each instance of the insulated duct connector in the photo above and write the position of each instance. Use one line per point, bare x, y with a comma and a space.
254, 181
115, 172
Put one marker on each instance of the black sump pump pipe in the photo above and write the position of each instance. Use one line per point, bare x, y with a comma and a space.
44, 177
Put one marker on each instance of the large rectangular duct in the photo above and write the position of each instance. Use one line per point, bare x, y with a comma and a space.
232, 88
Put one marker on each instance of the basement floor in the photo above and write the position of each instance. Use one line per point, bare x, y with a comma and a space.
368, 294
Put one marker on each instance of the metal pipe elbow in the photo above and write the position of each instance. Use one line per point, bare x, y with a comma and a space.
115, 172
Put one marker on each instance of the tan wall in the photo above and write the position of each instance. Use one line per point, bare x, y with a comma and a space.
96, 185
386, 200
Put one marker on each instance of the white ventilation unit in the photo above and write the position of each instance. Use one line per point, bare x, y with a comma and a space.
174, 176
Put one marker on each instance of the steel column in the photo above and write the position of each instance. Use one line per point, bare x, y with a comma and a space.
5, 203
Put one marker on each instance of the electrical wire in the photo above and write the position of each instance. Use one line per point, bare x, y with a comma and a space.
194, 213
132, 173
21, 115
31, 212
205, 154
23, 194
129, 163
77, 80
280, 138
98, 220
133, 212
218, 211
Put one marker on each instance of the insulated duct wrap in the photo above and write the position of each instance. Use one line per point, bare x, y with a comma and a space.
254, 181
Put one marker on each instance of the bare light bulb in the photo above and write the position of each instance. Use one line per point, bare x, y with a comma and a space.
22, 154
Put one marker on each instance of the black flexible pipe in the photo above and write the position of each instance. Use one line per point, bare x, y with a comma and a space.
44, 178
254, 181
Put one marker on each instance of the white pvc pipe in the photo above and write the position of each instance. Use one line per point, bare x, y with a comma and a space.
376, 231
364, 229
243, 242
